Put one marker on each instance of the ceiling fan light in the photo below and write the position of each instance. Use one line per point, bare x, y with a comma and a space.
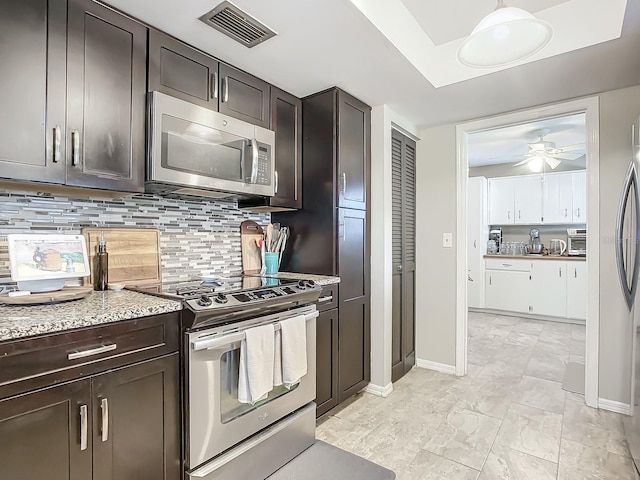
506, 35
535, 164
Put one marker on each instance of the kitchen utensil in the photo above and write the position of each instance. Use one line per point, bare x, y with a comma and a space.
134, 254
65, 295
269, 237
557, 246
250, 234
535, 249
492, 248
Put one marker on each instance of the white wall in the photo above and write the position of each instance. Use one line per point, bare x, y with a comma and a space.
436, 267
383, 119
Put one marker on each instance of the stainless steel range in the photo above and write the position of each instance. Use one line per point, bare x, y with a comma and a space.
224, 438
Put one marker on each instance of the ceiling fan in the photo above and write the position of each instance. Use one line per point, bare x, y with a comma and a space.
542, 151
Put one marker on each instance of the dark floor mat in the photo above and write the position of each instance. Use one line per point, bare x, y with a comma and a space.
322, 461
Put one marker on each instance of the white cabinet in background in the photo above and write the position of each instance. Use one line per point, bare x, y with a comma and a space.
549, 288
477, 235
577, 290
558, 198
501, 201
579, 189
527, 199
507, 290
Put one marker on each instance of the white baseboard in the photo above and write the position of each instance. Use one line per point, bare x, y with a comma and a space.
613, 406
378, 390
438, 367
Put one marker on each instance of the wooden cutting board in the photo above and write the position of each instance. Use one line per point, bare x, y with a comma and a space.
250, 232
134, 254
65, 295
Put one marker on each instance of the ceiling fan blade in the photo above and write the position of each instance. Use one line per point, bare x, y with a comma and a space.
526, 160
577, 146
568, 156
552, 162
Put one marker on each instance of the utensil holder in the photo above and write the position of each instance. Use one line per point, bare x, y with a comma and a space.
271, 261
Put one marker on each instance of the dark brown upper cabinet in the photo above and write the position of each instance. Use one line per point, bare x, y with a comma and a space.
106, 80
73, 93
354, 151
286, 121
181, 71
32, 90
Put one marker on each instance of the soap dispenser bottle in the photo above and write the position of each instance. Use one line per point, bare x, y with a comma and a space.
101, 268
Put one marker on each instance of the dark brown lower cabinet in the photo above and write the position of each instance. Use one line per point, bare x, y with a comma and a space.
40, 434
326, 361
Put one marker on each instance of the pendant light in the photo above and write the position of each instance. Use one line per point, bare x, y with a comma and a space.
506, 35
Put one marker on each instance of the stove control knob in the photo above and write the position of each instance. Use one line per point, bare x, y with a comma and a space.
204, 301
221, 298
310, 283
302, 284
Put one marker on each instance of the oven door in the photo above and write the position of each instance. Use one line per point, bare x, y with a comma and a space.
577, 245
215, 419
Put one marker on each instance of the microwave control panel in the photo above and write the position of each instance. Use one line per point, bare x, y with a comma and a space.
264, 167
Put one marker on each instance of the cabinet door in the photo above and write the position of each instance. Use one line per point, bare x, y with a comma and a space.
558, 198
326, 361
577, 290
136, 422
47, 434
507, 290
244, 96
527, 198
286, 120
354, 151
579, 189
477, 235
106, 89
32, 90
181, 71
549, 288
501, 201
354, 330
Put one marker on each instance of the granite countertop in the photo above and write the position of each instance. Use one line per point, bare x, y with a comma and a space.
539, 257
96, 309
319, 279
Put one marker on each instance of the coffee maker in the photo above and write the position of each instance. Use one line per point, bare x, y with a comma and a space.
495, 234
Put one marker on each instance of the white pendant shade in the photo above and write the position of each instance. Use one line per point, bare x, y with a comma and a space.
504, 36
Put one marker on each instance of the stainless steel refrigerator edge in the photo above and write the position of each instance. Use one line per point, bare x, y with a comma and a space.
628, 260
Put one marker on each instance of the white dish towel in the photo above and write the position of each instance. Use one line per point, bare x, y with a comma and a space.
293, 332
255, 379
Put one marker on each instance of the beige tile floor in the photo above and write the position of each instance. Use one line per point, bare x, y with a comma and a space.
509, 418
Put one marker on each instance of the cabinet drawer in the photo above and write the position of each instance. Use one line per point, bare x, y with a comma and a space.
508, 264
328, 297
36, 362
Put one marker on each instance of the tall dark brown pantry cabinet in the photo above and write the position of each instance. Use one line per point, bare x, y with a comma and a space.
330, 235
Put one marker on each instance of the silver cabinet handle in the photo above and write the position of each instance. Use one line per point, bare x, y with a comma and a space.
560, 272
489, 279
509, 214
84, 427
475, 244
578, 212
399, 268
92, 351
214, 85
275, 175
507, 265
328, 298
565, 213
344, 183
254, 162
519, 215
575, 273
57, 140
75, 148
225, 87
104, 406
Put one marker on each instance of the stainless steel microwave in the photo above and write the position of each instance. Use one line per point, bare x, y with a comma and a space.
577, 241
195, 151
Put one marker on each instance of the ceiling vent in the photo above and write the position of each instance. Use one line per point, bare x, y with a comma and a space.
233, 22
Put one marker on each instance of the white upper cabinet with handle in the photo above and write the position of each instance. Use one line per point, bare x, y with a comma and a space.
558, 198
501, 201
579, 189
527, 199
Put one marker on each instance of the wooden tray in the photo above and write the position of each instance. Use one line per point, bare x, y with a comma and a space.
65, 295
250, 232
134, 254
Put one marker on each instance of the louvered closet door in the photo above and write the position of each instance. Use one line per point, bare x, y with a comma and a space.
403, 151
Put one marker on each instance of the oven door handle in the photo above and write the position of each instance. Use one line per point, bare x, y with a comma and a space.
225, 340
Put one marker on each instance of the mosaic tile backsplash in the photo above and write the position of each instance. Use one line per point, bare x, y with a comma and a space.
196, 235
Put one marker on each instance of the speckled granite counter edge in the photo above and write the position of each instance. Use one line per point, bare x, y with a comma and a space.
98, 308
319, 279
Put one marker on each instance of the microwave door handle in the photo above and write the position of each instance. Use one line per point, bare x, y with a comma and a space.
628, 284
254, 161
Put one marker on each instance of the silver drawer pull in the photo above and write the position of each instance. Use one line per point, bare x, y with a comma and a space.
92, 351
328, 298
104, 406
84, 427
507, 265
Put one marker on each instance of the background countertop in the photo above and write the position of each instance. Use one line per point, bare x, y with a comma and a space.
539, 257
319, 279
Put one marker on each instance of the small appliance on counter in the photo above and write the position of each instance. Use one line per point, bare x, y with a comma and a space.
577, 242
534, 247
495, 234
557, 247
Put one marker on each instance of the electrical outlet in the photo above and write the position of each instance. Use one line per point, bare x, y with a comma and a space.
447, 240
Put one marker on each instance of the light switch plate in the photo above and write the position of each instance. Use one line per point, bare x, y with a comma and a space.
447, 240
